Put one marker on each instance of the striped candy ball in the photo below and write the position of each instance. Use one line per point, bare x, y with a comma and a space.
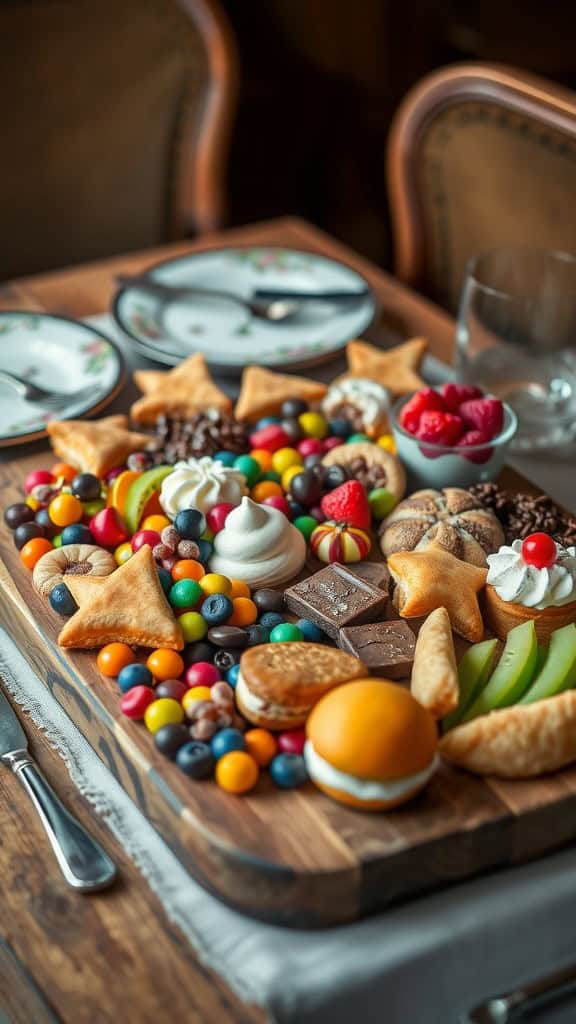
336, 542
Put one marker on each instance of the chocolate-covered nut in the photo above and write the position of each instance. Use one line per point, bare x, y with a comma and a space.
225, 658
222, 694
201, 709
228, 636
169, 738
224, 719
267, 600
293, 407
306, 487
203, 729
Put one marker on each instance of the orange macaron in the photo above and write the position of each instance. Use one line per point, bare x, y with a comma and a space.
370, 744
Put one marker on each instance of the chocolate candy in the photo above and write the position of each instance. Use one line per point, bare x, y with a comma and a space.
334, 598
293, 407
376, 573
306, 488
27, 531
199, 651
173, 688
195, 759
335, 476
386, 648
17, 514
267, 600
228, 636
170, 738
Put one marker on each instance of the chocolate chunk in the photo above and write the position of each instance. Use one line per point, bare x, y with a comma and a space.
267, 600
386, 648
376, 573
334, 597
228, 636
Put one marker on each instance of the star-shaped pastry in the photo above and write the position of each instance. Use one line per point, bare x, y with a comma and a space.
181, 392
96, 446
394, 368
263, 392
129, 607
434, 578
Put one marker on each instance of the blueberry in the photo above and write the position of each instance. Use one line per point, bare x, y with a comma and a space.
271, 619
312, 632
86, 486
77, 534
225, 741
258, 634
134, 675
288, 770
166, 580
195, 759
217, 609
190, 524
335, 476
232, 675
339, 427
61, 600
169, 739
205, 551
226, 458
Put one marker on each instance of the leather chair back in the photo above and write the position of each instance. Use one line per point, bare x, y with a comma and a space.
115, 126
479, 156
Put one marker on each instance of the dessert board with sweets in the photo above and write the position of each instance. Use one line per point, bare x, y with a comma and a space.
240, 556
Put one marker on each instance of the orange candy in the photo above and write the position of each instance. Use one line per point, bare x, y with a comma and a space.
34, 550
239, 589
266, 489
65, 509
188, 569
261, 745
237, 772
263, 458
165, 664
245, 612
65, 471
114, 657
155, 522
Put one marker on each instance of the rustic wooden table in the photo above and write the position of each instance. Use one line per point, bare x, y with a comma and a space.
71, 958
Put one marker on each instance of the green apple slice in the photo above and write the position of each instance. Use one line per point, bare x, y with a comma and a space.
513, 673
474, 668
541, 655
559, 670
140, 493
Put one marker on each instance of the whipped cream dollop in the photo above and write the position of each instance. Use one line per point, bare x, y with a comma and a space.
201, 483
367, 396
514, 580
364, 789
258, 545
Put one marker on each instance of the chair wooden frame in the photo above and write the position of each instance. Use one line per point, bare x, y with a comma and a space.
543, 101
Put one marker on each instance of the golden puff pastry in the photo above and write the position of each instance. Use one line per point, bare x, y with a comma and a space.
434, 681
263, 392
394, 368
519, 742
95, 447
129, 606
181, 392
434, 578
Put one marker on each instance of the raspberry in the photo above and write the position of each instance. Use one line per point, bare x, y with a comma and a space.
439, 427
473, 437
425, 399
484, 414
455, 394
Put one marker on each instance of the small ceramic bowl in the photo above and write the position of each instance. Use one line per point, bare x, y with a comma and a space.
437, 466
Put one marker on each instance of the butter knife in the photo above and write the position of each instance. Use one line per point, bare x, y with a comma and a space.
82, 860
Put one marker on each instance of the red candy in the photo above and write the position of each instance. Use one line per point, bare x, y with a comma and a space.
202, 673
485, 414
271, 438
133, 704
292, 741
142, 537
113, 473
275, 501
331, 442
311, 446
348, 504
425, 400
218, 515
36, 478
439, 427
107, 528
539, 550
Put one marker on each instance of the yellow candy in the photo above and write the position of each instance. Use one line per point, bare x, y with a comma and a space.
263, 458
288, 475
164, 711
313, 424
155, 522
388, 443
65, 509
214, 583
32, 503
123, 552
192, 696
284, 458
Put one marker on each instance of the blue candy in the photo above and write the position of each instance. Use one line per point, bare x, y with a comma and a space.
288, 770
226, 458
77, 533
205, 551
267, 421
271, 619
232, 675
339, 427
216, 609
62, 601
312, 632
134, 675
166, 580
257, 633
195, 759
225, 741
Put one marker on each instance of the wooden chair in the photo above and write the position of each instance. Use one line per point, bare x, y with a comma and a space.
479, 156
115, 126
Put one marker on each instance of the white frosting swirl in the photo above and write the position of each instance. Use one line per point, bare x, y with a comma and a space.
514, 580
258, 545
364, 789
369, 397
201, 483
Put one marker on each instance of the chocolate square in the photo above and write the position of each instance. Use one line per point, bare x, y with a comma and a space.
334, 597
386, 648
376, 573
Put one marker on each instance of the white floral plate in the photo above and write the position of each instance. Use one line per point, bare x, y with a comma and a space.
57, 354
229, 337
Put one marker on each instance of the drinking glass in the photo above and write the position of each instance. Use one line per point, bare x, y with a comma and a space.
516, 338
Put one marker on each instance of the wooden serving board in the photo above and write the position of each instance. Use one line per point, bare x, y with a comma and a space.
291, 857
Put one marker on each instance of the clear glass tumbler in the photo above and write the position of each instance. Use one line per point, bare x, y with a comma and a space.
516, 338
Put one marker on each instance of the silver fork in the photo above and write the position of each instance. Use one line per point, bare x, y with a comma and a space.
51, 399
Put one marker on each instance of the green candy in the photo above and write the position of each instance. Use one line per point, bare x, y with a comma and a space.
185, 594
57, 540
357, 437
91, 508
306, 525
249, 467
272, 475
381, 502
193, 626
286, 632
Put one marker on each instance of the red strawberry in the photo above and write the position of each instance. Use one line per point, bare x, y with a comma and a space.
348, 504
455, 394
424, 399
473, 437
439, 427
485, 414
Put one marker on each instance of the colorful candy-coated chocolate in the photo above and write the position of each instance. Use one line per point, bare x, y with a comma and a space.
263, 458
36, 477
28, 531
202, 673
357, 437
65, 509
288, 476
240, 588
173, 688
142, 537
92, 508
188, 569
190, 523
124, 551
261, 744
168, 739
17, 514
388, 443
340, 427
288, 771
244, 612
271, 619
32, 551
185, 594
135, 674
335, 542
267, 421
108, 529
268, 600
257, 634
284, 458
227, 740
237, 772
306, 525
312, 632
164, 711
278, 502
232, 675
155, 522
294, 406
194, 627
249, 467
331, 442
217, 609
292, 741
286, 632
112, 658
266, 489
306, 488
193, 696
163, 575
271, 437
217, 516
226, 458
135, 701
313, 424
382, 502
77, 533
61, 600
195, 759
310, 446
215, 583
165, 664
86, 486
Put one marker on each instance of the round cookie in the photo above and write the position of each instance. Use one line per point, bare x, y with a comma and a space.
59, 565
372, 465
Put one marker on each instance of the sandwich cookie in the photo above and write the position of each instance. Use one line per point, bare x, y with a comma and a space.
371, 745
279, 684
